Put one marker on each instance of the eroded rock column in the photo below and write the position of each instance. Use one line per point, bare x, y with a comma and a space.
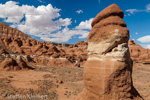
108, 70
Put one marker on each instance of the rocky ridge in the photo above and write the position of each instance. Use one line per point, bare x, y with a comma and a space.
15, 42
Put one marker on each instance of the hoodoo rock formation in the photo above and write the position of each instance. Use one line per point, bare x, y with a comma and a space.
108, 70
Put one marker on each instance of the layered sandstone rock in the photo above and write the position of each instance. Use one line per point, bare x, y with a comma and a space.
3, 51
20, 44
108, 70
10, 64
138, 53
17, 42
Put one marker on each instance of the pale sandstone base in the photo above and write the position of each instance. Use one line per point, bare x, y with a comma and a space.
108, 79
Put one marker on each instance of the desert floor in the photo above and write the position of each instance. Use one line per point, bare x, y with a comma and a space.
58, 83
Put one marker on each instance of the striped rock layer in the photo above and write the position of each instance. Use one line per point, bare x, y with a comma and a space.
108, 70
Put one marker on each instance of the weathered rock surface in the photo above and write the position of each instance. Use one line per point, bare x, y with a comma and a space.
3, 51
138, 53
108, 70
18, 43
21, 44
10, 64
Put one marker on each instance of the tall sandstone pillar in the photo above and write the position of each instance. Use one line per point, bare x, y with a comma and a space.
108, 70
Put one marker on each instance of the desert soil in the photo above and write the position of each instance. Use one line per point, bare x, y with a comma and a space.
58, 83
141, 79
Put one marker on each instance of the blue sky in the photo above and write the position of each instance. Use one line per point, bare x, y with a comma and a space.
68, 21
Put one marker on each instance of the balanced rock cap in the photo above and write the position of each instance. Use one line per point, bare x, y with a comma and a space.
108, 30
110, 10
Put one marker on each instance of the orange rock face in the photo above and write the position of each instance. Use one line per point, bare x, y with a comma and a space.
3, 51
10, 64
106, 25
113, 10
20, 44
108, 69
138, 53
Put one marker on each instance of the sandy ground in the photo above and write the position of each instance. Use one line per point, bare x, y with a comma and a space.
141, 79
53, 83
58, 83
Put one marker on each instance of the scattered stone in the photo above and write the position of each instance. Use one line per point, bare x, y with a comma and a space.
10, 76
59, 82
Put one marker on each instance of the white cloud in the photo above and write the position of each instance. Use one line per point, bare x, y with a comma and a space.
136, 33
144, 39
148, 8
133, 39
65, 35
85, 24
75, 21
84, 35
148, 46
132, 11
43, 21
79, 11
129, 14
63, 22
11, 12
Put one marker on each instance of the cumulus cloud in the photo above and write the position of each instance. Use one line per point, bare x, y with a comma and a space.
79, 11
148, 8
11, 12
144, 39
85, 24
66, 34
132, 11
44, 22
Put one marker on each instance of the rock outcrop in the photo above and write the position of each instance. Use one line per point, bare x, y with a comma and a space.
20, 44
108, 70
138, 53
10, 64
3, 51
